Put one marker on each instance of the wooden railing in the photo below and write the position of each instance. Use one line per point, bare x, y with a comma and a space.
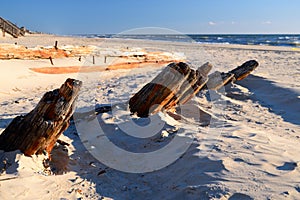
10, 28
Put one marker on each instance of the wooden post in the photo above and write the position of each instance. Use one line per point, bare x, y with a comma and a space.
38, 131
55, 45
174, 85
105, 59
93, 59
51, 61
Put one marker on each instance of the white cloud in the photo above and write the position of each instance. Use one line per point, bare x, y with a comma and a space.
267, 22
212, 23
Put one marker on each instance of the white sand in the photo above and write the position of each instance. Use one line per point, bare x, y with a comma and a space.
250, 150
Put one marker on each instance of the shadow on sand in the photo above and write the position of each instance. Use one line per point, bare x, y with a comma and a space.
189, 177
281, 101
4, 122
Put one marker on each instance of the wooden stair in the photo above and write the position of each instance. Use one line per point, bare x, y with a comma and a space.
10, 28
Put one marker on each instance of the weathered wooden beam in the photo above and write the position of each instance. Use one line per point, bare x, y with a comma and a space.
176, 83
244, 70
218, 79
191, 86
38, 131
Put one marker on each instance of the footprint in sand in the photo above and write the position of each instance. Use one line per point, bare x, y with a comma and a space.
297, 188
287, 166
239, 196
248, 163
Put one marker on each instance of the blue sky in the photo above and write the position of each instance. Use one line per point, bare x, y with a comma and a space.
189, 16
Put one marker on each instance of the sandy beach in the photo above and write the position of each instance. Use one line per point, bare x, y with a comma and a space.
245, 146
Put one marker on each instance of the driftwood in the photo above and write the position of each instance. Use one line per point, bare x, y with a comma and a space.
38, 131
192, 86
218, 79
244, 70
174, 85
178, 83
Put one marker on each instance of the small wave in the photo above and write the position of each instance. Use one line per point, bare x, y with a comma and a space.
251, 39
227, 43
296, 43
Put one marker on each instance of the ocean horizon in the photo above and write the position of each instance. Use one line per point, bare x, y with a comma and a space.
290, 40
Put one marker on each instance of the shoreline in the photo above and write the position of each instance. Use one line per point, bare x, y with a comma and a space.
51, 38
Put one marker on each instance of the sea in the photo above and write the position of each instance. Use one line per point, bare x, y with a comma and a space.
290, 40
